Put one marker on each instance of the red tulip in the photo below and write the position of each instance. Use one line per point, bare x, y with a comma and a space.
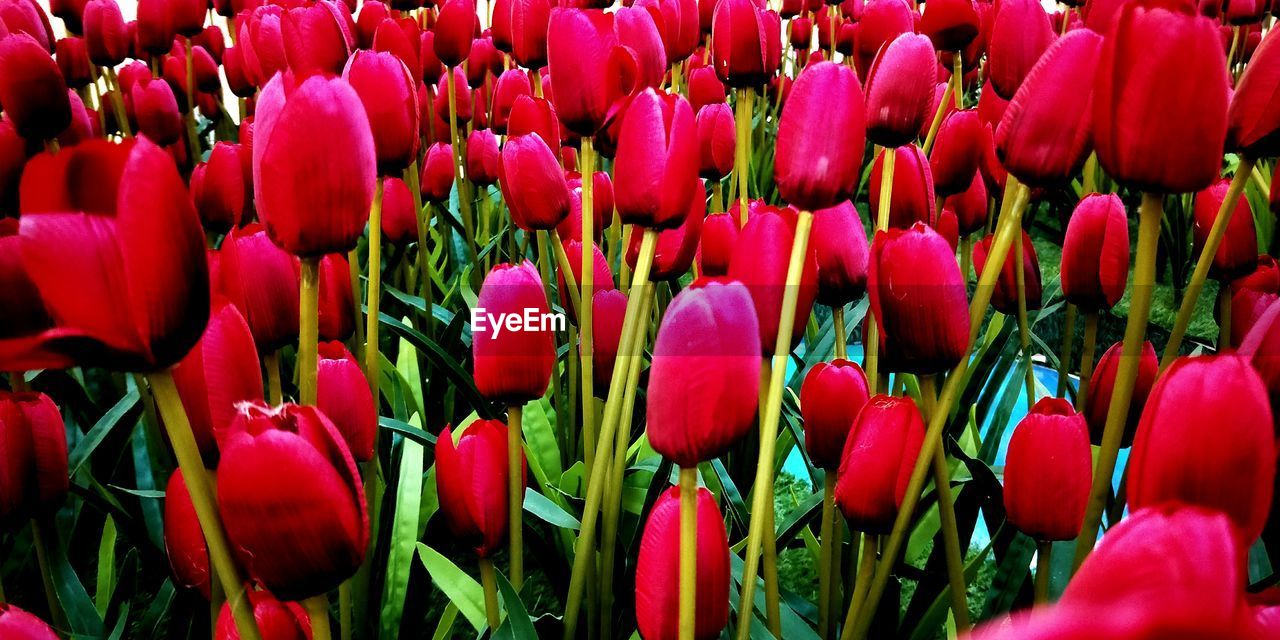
437, 176
957, 148
760, 260
919, 300
513, 358
512, 84
532, 183
33, 442
816, 168
238, 79
1237, 255
17, 291
32, 89
217, 186
675, 249
104, 33
710, 335
73, 61
403, 38
1020, 33
876, 462
899, 87
462, 103
1253, 119
1265, 278
655, 171
950, 24
471, 479
882, 22
1160, 114
276, 620
715, 248
592, 72
607, 310
345, 398
482, 157
454, 27
535, 115
262, 281
1005, 296
156, 109
1095, 253
529, 20
840, 245
638, 30
291, 455
389, 95
830, 399
746, 43
336, 298
399, 220
800, 33
705, 88
20, 625
1258, 345
371, 16
155, 28
913, 193
183, 539
1048, 471
681, 28
1103, 383
658, 570
601, 274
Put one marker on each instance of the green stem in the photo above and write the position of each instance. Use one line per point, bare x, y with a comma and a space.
825, 567
688, 551
460, 177
742, 162
490, 582
46, 574
957, 76
585, 337
861, 583
515, 494
1068, 342
308, 330
344, 610
372, 365
423, 217
274, 393
1086, 358
318, 610
1043, 551
936, 123
353, 273
871, 345
1024, 330
947, 514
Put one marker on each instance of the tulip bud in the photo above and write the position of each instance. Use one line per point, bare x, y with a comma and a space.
462, 103
343, 394
313, 191
601, 274
1048, 471
532, 183
919, 299
840, 246
34, 478
1005, 296
436, 180
1020, 33
969, 206
1253, 119
390, 99
73, 61
705, 88
570, 228
482, 157
1095, 253
715, 248
104, 33
529, 19
814, 168
1159, 114
157, 112
800, 33
318, 38
183, 539
262, 281
899, 87
1103, 383
593, 71
875, 466
608, 308
746, 43
471, 479
535, 115
760, 260
1237, 255
716, 141
658, 569
371, 16
291, 455
674, 251
830, 399
20, 625
956, 151
399, 220
402, 38
882, 21
950, 24
454, 27
336, 303
512, 84
913, 193
32, 89
155, 27
512, 366
637, 29
217, 186
276, 620
656, 167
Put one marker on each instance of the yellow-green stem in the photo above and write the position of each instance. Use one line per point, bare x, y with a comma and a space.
936, 123
41, 544
1068, 342
117, 102
585, 336
193, 141
318, 611
842, 338
353, 273
742, 161
957, 76
1086, 358
308, 330
688, 551
489, 579
515, 494
460, 177
275, 395
1043, 551
371, 361
947, 514
825, 568
423, 217
344, 610
871, 345
1024, 329
861, 583
966, 257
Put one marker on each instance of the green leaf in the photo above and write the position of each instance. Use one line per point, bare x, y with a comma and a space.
540, 447
404, 535
548, 511
460, 588
407, 430
82, 615
518, 625
101, 429
457, 374
106, 567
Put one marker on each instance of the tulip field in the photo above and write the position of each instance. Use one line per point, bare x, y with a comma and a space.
660, 319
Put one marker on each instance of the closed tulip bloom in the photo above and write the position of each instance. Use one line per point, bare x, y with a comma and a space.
956, 151
601, 274
817, 168
220, 372
913, 192
529, 19
20, 625
156, 110
217, 186
276, 620
638, 29
800, 33
455, 25
1259, 344
1238, 253
761, 256
512, 84
592, 70
882, 21
919, 300
535, 115
184, 542
716, 141
482, 157
1020, 33
532, 183
1095, 253
970, 206
950, 24
462, 103
830, 399
675, 248
899, 88
73, 61
471, 479
390, 99
746, 43
290, 464
336, 298
187, 16
371, 16
658, 570
1253, 119
709, 336
104, 33
437, 174
1170, 139
262, 36
680, 26
239, 82
155, 29
33, 440
876, 462
318, 38
399, 220
1185, 452
705, 88
840, 246
1005, 296
715, 248
261, 279
343, 394
657, 161
1103, 383
1048, 471
512, 366
1044, 135
608, 307
403, 38
32, 89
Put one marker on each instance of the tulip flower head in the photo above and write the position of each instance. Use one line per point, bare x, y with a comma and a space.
471, 479
658, 569
18, 624
899, 87
1048, 470
746, 43
830, 398
1095, 253
876, 463
345, 398
33, 440
1005, 296
761, 256
840, 247
276, 620
1103, 383
184, 542
816, 168
513, 358
532, 182
656, 168
593, 74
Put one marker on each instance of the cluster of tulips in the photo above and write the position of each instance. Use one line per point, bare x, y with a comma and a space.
683, 185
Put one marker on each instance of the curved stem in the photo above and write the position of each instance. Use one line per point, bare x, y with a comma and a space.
1043, 551
490, 582
515, 494
871, 344
308, 330
688, 551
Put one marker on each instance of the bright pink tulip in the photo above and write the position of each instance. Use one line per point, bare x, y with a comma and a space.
816, 168
658, 570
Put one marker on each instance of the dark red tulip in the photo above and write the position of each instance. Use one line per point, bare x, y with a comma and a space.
20, 625
187, 16
336, 298
675, 249
638, 30
882, 21
34, 479
318, 38
658, 570
705, 88
32, 89
238, 79
1005, 296
1253, 119
1095, 253
1159, 114
312, 191
512, 365
371, 16
343, 394
830, 399
1185, 452
276, 620
876, 462
221, 371
816, 168
454, 27
608, 307
800, 33
919, 300
899, 87
438, 170
708, 334
657, 162
839, 243
715, 248
104, 33
17, 291
950, 24
1048, 471
716, 141
183, 539
155, 29
399, 220
593, 73
1237, 255
957, 148
746, 43
482, 157
1103, 383
390, 100
217, 186
261, 279
25, 16
144, 224
512, 84
1020, 33
760, 260
73, 61
1265, 277
471, 479
291, 455
156, 109
529, 19
1044, 135
83, 125
970, 206
533, 184
913, 198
